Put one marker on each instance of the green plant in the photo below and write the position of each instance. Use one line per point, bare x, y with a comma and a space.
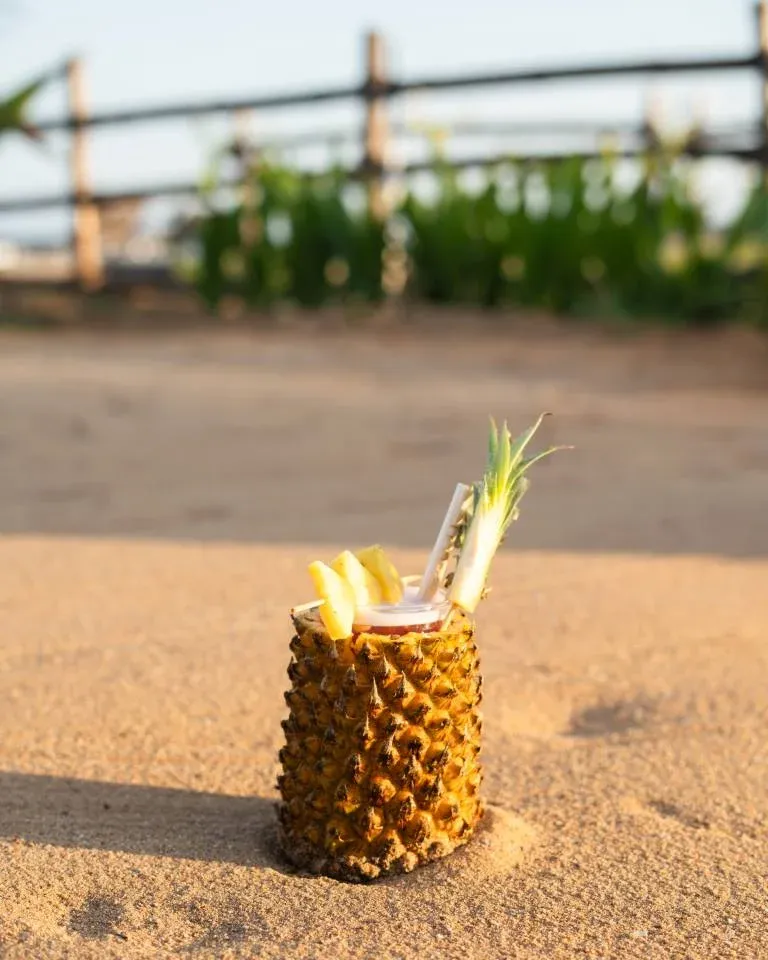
290, 238
569, 237
13, 109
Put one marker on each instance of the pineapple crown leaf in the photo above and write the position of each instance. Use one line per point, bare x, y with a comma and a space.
505, 482
491, 504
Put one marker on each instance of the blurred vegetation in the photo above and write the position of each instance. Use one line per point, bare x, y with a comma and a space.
13, 109
291, 239
569, 237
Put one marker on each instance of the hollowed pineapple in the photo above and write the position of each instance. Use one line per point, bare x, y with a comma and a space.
380, 766
380, 769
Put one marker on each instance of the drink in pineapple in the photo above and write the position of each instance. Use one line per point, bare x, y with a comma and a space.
380, 769
380, 766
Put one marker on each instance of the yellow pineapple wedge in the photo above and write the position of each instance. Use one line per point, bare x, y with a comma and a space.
337, 609
375, 560
365, 586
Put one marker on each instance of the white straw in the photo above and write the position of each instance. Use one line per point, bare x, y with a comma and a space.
429, 581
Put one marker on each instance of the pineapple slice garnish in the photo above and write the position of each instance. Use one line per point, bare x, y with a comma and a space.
337, 610
364, 585
377, 563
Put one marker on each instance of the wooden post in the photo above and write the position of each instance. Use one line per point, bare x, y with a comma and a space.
762, 21
88, 252
244, 154
376, 128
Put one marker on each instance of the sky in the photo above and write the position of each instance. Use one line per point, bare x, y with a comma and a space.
142, 52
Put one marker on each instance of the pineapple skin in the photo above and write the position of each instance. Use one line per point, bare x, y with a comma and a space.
380, 769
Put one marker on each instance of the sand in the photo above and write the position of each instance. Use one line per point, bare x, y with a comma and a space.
160, 496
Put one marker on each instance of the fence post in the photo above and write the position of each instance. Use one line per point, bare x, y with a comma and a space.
376, 132
762, 41
88, 252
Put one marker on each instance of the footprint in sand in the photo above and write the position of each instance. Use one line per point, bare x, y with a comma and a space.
666, 810
97, 918
674, 812
619, 716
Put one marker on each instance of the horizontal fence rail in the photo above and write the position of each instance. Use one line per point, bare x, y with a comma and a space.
483, 128
579, 73
397, 88
188, 189
181, 110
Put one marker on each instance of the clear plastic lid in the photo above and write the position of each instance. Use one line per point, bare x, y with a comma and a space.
409, 612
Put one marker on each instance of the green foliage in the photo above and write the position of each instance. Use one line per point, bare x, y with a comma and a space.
13, 109
290, 238
566, 236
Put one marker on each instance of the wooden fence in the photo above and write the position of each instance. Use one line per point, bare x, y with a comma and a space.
376, 89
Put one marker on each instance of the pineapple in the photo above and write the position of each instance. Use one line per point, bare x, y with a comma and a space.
375, 560
380, 766
337, 609
365, 586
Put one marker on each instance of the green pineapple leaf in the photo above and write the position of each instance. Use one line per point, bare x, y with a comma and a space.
496, 507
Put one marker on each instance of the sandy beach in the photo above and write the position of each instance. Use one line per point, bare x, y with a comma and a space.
160, 498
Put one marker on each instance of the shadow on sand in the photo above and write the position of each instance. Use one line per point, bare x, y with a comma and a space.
130, 818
